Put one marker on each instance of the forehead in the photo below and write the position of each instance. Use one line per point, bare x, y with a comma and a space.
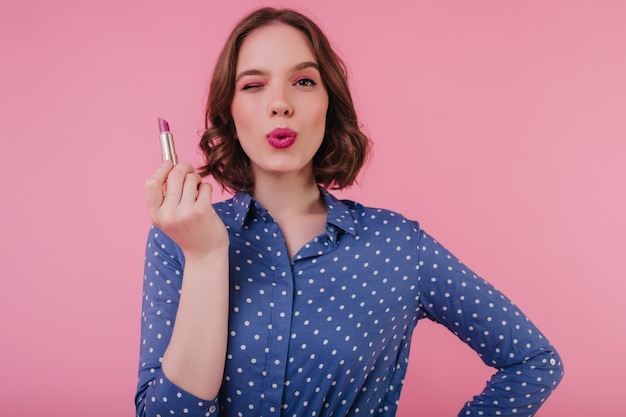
275, 46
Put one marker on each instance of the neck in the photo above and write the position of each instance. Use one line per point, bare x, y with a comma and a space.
288, 195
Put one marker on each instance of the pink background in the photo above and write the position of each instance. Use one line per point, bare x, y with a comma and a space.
500, 125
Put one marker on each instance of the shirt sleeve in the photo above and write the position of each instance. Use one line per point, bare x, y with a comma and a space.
528, 367
156, 395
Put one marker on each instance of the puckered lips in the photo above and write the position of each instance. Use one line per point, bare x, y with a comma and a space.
281, 137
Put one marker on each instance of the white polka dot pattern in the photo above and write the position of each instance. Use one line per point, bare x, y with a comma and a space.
327, 333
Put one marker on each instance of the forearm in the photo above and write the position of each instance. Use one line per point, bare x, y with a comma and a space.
194, 358
529, 368
518, 390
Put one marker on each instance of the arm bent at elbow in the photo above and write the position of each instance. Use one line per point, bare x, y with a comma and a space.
183, 341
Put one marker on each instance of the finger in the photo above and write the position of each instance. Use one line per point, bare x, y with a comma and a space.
205, 191
175, 181
190, 188
153, 187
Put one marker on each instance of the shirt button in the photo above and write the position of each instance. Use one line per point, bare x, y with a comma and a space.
212, 409
552, 361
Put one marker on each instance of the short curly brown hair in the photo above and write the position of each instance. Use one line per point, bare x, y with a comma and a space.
345, 147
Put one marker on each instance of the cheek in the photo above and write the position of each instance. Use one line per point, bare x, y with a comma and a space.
235, 112
241, 113
316, 108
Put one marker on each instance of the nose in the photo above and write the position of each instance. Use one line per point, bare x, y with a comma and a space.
280, 104
285, 110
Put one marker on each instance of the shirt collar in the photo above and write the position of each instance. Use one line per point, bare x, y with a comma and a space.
339, 214
243, 205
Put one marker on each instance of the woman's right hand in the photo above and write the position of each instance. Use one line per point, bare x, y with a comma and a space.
180, 204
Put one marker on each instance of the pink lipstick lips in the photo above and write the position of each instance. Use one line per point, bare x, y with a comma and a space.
281, 137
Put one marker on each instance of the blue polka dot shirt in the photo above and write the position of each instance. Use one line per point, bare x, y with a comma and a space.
328, 332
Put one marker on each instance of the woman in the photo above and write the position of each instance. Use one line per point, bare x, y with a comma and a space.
284, 300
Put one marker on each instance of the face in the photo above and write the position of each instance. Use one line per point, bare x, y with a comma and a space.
280, 103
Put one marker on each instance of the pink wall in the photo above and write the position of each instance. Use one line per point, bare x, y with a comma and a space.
499, 125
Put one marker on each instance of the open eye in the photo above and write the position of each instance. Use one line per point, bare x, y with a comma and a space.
305, 82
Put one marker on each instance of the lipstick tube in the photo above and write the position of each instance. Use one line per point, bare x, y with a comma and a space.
168, 152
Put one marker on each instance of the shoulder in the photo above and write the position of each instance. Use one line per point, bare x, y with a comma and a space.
379, 220
366, 214
225, 207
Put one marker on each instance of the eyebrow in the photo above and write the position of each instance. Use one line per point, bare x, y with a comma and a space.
298, 67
